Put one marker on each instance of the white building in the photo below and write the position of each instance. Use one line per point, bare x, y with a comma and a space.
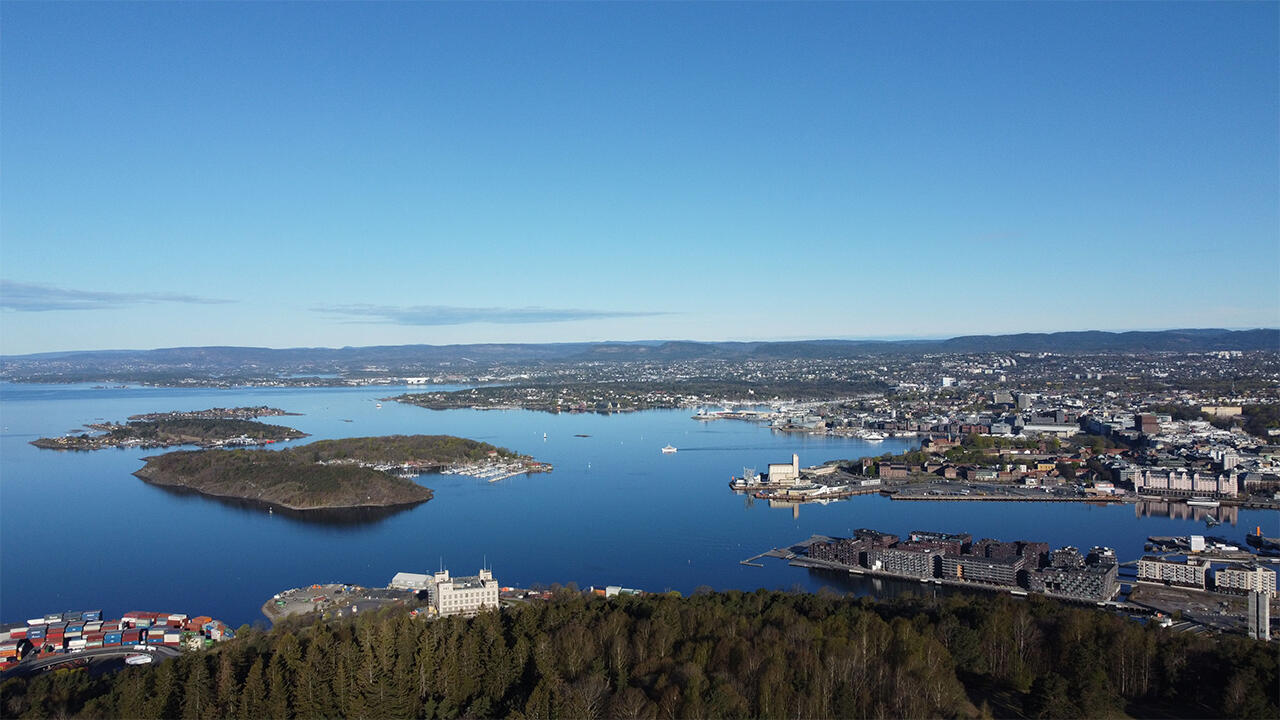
1181, 482
463, 595
1192, 573
785, 473
1246, 579
410, 581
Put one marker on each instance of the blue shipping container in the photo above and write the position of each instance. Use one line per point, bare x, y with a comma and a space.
91, 615
33, 633
112, 637
78, 627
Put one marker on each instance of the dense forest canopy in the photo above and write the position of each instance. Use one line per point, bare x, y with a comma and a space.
733, 654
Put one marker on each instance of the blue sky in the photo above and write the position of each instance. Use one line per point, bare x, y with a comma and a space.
351, 174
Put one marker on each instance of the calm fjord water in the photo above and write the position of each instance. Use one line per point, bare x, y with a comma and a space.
78, 531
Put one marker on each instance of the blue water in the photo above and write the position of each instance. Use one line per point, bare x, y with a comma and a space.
78, 531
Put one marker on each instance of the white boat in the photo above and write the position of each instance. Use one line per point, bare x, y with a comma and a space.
668, 449
873, 437
1203, 502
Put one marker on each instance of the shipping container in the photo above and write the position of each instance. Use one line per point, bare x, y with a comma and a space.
113, 636
35, 632
91, 614
76, 643
56, 626
94, 643
201, 619
92, 626
178, 616
17, 633
53, 618
70, 616
75, 627
37, 621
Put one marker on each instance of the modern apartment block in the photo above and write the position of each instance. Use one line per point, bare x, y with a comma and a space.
1249, 578
1192, 573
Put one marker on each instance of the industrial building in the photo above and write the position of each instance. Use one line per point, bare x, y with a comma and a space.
1259, 616
410, 581
785, 473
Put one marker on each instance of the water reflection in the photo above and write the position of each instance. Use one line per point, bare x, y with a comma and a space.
1182, 511
339, 517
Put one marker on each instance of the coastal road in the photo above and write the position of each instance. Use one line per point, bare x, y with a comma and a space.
96, 655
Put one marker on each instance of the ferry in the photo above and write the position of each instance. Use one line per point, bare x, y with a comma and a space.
873, 437
668, 449
1203, 502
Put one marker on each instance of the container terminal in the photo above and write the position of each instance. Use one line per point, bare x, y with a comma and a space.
56, 636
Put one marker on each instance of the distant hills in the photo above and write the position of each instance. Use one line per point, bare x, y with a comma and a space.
243, 361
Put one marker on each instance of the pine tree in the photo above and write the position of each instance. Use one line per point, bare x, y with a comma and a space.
253, 704
197, 700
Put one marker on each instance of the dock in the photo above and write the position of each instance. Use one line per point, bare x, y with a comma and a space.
788, 553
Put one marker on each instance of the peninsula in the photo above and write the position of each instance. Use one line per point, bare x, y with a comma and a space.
216, 427
368, 472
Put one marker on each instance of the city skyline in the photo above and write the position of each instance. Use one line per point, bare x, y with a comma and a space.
346, 175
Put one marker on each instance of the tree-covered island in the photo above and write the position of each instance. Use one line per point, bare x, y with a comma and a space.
206, 428
366, 472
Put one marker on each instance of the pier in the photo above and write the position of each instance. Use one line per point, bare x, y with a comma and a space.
788, 553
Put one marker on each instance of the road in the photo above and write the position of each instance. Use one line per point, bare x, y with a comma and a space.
37, 665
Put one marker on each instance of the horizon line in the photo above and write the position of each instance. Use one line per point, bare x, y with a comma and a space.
845, 338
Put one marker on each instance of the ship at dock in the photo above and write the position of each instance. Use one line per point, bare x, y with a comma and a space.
1268, 545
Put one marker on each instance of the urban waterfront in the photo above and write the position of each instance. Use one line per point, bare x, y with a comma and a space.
79, 530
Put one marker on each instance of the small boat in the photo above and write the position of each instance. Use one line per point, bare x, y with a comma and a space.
668, 449
1203, 502
379, 406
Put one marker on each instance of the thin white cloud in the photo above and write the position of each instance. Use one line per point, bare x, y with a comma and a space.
31, 297
423, 315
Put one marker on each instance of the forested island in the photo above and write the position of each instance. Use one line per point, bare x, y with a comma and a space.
172, 429
716, 655
367, 472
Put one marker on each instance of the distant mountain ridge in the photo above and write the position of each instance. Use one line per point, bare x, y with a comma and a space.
393, 358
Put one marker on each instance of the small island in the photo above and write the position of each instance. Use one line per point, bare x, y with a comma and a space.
368, 472
218, 427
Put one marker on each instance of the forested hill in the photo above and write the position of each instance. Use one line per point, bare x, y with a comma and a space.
231, 364
761, 654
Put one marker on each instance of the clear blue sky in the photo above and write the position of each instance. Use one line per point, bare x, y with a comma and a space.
351, 174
